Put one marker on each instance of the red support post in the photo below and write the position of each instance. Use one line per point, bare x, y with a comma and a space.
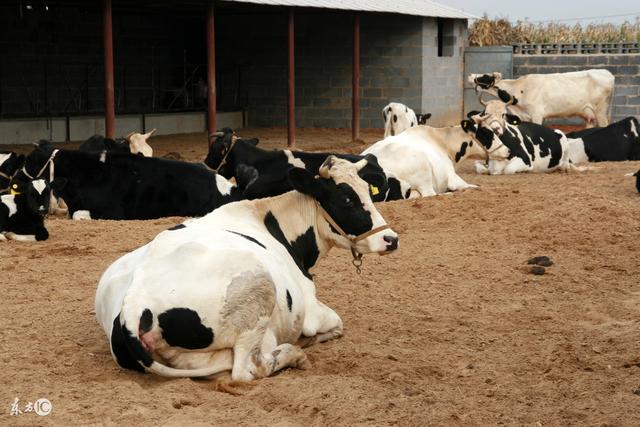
109, 97
291, 93
211, 73
355, 82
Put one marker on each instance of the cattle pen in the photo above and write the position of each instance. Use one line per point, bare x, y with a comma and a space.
453, 327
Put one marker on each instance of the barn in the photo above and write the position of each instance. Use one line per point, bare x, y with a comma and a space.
146, 64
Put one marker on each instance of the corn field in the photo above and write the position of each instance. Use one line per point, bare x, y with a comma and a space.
492, 32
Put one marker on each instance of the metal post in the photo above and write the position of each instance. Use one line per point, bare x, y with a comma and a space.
211, 73
109, 98
291, 93
355, 82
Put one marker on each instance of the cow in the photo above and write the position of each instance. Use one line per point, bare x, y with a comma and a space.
10, 162
536, 97
617, 142
426, 157
232, 291
398, 118
134, 143
530, 147
263, 173
22, 211
112, 185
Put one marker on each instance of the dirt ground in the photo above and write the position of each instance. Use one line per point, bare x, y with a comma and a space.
451, 329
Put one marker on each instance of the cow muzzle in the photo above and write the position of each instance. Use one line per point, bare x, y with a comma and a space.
496, 128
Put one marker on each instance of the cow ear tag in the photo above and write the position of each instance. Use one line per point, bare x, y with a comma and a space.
374, 190
14, 190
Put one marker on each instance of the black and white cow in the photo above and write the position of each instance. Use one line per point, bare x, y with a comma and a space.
263, 173
10, 162
527, 147
617, 142
398, 118
22, 211
232, 291
106, 185
134, 143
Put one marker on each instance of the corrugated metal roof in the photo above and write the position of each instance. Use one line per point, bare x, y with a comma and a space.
404, 7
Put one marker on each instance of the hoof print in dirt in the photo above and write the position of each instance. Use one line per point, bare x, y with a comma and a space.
537, 270
543, 261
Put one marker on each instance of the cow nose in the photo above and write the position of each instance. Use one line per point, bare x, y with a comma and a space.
392, 242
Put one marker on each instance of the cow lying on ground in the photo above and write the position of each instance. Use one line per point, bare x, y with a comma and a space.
22, 211
10, 162
106, 185
426, 157
616, 142
232, 291
134, 143
263, 173
536, 97
398, 118
529, 147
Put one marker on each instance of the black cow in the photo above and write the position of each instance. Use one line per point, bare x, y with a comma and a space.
22, 212
617, 142
100, 143
10, 162
263, 173
125, 186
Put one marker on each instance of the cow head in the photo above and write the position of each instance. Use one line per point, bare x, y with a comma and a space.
490, 143
222, 143
422, 118
138, 143
37, 194
484, 81
496, 115
344, 196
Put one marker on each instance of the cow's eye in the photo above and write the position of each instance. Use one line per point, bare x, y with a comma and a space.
347, 200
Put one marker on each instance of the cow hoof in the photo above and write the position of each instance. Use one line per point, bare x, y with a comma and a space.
537, 270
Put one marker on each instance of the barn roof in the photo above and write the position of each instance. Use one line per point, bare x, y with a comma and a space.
404, 7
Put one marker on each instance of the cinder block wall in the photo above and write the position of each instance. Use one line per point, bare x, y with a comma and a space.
443, 79
625, 68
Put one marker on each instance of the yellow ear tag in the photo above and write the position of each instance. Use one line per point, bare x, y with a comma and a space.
14, 192
374, 190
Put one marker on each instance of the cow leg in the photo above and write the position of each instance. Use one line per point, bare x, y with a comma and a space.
20, 237
456, 183
514, 166
602, 118
321, 324
2, 237
481, 168
255, 354
78, 215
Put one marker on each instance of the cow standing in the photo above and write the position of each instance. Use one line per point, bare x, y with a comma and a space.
536, 97
108, 185
232, 291
398, 118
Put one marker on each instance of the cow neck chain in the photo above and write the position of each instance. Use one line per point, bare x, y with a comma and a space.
226, 154
47, 163
357, 256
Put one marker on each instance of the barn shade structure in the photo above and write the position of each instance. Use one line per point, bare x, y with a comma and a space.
141, 40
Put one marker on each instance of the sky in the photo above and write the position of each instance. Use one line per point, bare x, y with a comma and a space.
552, 10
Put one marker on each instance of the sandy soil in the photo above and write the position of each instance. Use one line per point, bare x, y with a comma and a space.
450, 330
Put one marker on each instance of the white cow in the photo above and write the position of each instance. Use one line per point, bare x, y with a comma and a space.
232, 291
425, 157
398, 118
536, 97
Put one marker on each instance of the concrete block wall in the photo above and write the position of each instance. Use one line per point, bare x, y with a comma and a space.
625, 68
442, 91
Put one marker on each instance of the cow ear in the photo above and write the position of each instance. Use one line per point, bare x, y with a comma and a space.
468, 126
58, 184
303, 181
472, 113
513, 119
252, 141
